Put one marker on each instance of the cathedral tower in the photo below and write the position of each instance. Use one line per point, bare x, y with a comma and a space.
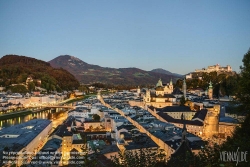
184, 88
210, 90
171, 87
138, 91
147, 97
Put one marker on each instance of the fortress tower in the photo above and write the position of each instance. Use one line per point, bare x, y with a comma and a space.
211, 123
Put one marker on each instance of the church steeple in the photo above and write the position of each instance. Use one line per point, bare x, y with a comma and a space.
184, 129
138, 90
184, 88
181, 151
171, 86
210, 90
147, 97
210, 84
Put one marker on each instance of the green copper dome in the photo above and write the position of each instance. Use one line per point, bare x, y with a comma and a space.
210, 85
159, 83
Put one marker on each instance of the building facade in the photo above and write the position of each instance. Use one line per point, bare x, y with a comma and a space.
161, 96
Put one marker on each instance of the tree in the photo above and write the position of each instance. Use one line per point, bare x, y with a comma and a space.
89, 160
240, 138
96, 117
18, 89
243, 94
83, 88
181, 160
31, 86
49, 116
231, 85
22, 78
182, 101
141, 158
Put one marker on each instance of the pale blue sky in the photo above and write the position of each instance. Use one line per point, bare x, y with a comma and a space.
178, 36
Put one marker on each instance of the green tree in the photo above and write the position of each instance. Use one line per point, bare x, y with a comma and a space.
186, 160
18, 89
49, 116
244, 83
31, 86
96, 117
231, 85
22, 78
89, 160
182, 101
240, 138
140, 158
83, 88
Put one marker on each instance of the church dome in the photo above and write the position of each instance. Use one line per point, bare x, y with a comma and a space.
159, 83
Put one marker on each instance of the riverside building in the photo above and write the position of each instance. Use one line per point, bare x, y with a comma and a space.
24, 139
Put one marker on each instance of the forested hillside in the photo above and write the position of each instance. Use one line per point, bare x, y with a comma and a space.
16, 69
223, 84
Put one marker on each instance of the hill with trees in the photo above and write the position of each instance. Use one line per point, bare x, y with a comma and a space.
223, 84
15, 69
162, 71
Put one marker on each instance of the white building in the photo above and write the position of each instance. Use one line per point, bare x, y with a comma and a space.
25, 139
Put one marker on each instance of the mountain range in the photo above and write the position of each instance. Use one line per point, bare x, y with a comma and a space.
162, 71
87, 73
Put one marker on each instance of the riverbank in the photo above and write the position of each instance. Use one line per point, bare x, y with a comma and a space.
27, 111
30, 111
15, 114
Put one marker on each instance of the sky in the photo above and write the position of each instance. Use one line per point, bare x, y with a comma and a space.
179, 36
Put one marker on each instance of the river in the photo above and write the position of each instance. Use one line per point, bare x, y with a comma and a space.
21, 119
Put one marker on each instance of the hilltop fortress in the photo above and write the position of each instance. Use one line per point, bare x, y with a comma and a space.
214, 68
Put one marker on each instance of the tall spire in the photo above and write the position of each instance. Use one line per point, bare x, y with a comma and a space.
210, 84
210, 90
184, 88
171, 82
184, 129
138, 90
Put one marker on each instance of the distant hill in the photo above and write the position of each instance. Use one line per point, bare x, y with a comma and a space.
15, 69
162, 71
87, 73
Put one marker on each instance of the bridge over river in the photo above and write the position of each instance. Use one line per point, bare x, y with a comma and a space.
67, 107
